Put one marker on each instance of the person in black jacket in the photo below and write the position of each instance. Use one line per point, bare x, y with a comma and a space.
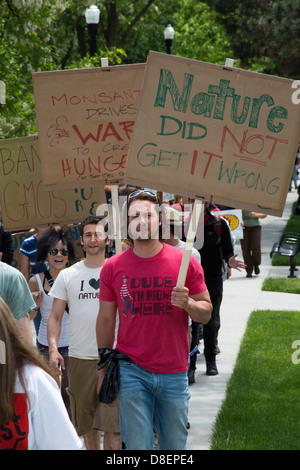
216, 247
6, 246
297, 208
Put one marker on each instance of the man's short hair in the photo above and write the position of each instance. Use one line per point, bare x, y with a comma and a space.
142, 195
95, 220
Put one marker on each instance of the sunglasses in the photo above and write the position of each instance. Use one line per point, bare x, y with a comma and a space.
54, 251
142, 191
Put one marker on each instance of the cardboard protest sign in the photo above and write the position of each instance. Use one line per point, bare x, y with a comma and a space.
25, 202
18, 239
234, 218
85, 119
216, 133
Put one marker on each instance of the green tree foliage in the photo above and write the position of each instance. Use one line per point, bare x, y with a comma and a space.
39, 35
199, 34
263, 32
23, 48
119, 22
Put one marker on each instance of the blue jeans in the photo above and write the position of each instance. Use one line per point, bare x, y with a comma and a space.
149, 401
127, 304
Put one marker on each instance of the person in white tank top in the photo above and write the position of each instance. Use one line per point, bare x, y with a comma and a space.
46, 307
56, 249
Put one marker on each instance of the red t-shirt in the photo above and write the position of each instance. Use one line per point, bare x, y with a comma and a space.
152, 332
14, 435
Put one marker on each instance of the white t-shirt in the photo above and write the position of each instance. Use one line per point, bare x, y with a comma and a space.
43, 422
46, 307
79, 286
181, 244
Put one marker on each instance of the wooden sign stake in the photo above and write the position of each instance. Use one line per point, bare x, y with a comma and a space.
114, 198
229, 62
189, 243
116, 217
192, 228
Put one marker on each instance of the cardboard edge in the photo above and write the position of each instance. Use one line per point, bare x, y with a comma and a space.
204, 197
110, 68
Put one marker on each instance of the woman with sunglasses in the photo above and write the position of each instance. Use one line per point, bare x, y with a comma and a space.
56, 249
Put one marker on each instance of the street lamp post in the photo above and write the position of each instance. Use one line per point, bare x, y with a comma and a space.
92, 15
169, 36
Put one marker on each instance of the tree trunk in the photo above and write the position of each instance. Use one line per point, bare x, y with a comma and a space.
80, 31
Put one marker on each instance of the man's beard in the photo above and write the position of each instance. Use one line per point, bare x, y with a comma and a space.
100, 249
145, 235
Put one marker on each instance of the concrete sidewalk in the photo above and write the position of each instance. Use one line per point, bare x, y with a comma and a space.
241, 296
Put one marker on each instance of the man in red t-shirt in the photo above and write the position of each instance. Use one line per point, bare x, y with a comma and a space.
153, 328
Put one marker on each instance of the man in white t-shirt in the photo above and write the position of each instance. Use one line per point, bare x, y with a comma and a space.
78, 286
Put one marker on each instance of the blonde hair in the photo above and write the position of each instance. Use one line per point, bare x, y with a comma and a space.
18, 352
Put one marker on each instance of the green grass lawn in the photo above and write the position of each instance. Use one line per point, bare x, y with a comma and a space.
282, 284
261, 410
